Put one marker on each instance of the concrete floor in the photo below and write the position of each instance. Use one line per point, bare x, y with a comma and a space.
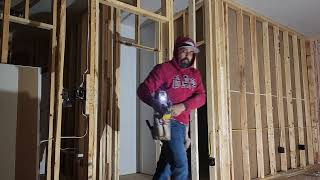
136, 177
148, 177
311, 174
304, 177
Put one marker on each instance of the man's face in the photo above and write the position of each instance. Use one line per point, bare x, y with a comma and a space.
185, 57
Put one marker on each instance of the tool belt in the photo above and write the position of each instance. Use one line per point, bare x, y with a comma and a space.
161, 129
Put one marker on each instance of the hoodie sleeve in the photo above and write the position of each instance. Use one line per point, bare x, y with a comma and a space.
150, 84
198, 98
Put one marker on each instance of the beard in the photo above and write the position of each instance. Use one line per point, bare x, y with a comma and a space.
185, 63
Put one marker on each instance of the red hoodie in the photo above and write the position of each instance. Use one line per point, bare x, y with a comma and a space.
183, 85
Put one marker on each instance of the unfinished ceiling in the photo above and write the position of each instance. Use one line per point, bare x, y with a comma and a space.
302, 16
299, 15
39, 6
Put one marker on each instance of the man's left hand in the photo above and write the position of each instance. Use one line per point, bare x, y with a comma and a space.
177, 109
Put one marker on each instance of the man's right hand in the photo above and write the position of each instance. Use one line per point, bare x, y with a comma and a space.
177, 109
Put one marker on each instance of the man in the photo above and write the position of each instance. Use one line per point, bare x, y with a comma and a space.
184, 87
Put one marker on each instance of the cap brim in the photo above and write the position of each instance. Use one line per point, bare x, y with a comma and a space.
193, 49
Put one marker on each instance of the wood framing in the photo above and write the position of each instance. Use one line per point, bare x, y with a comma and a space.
287, 60
136, 45
105, 59
138, 74
7, 18
256, 85
167, 29
221, 70
169, 14
92, 88
313, 94
5, 32
298, 99
312, 98
103, 88
243, 98
316, 56
234, 5
59, 85
26, 9
226, 28
27, 22
111, 96
52, 87
210, 96
94, 56
160, 59
280, 94
307, 102
137, 24
186, 21
116, 93
266, 57
276, 66
194, 115
219, 131
191, 20
135, 10
164, 28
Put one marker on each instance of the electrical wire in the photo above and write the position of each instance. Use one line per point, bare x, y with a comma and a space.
68, 149
71, 137
47, 140
262, 94
83, 106
81, 86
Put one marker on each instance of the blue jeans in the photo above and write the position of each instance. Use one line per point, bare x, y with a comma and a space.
173, 160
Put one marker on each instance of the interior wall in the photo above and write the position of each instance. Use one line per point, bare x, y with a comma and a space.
8, 110
146, 61
28, 123
128, 127
20, 92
